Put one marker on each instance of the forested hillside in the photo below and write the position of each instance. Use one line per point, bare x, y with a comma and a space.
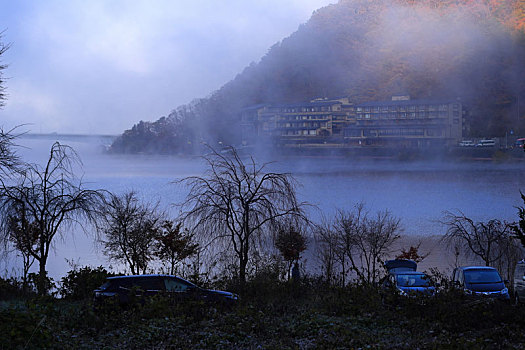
369, 50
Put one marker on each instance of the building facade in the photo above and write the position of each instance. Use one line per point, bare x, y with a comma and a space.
404, 122
401, 122
310, 122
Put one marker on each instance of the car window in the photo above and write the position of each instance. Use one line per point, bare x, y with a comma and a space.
150, 284
413, 280
116, 284
175, 285
482, 276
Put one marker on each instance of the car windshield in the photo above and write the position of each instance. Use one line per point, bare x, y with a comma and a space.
482, 276
413, 280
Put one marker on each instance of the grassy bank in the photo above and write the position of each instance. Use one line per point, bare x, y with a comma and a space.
270, 315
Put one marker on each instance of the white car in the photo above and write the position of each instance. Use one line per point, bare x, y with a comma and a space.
467, 143
486, 143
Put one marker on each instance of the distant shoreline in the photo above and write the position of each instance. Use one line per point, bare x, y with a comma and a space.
57, 135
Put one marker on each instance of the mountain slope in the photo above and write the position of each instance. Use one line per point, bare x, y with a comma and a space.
369, 50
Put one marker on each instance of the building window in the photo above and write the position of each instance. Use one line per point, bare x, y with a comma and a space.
434, 132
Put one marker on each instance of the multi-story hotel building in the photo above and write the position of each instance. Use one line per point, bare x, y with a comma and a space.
308, 122
407, 123
401, 122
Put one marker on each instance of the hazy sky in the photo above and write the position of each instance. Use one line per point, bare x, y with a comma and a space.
100, 66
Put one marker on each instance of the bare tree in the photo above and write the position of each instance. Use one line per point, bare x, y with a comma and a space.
235, 202
327, 245
3, 49
519, 227
24, 235
331, 250
9, 159
366, 240
511, 253
46, 201
130, 229
174, 244
484, 240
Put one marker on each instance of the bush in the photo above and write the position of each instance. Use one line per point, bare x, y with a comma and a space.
80, 283
10, 288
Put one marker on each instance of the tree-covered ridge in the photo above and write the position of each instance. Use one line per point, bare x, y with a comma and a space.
369, 50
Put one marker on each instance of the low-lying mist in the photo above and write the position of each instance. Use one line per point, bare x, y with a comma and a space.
416, 192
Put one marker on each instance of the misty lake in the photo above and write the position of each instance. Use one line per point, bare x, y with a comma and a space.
417, 193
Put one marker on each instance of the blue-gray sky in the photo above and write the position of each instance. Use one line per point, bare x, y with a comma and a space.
98, 66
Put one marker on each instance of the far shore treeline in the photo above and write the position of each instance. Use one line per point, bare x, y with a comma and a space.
368, 51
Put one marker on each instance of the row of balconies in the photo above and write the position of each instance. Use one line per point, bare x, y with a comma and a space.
402, 122
302, 125
400, 132
302, 117
402, 115
413, 108
303, 109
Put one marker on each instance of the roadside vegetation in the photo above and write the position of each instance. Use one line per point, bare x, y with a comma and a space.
271, 314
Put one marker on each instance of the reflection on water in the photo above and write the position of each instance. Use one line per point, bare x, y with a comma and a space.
418, 193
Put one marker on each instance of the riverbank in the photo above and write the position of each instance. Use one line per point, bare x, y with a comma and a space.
400, 154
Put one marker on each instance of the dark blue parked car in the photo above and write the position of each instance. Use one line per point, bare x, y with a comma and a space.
123, 289
480, 281
406, 281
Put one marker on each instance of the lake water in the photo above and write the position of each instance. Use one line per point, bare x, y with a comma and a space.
417, 193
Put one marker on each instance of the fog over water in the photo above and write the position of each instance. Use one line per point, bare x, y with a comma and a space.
417, 193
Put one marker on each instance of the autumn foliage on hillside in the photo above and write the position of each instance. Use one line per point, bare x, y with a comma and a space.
368, 50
